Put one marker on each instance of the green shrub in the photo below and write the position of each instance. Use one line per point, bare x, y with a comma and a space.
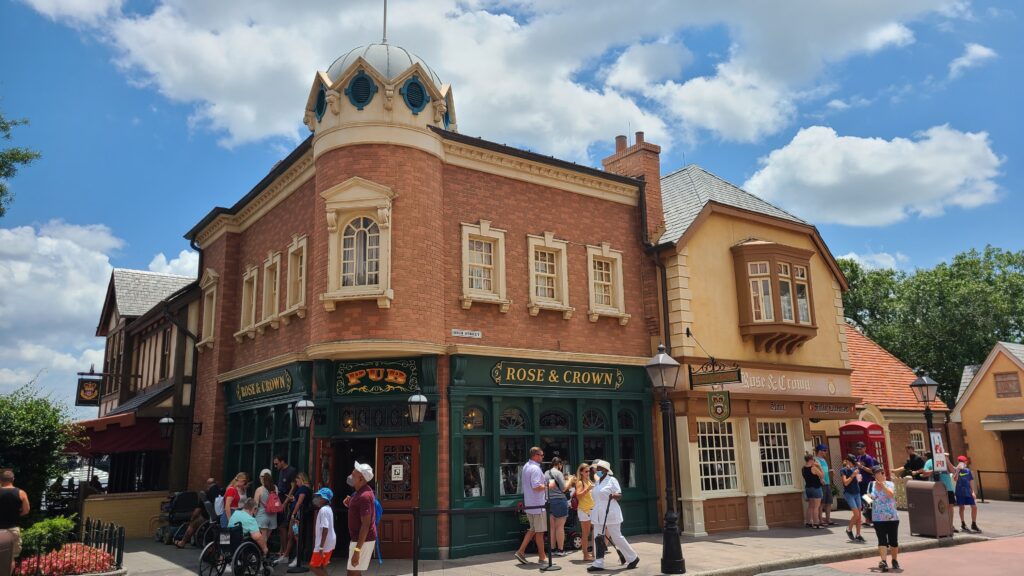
47, 535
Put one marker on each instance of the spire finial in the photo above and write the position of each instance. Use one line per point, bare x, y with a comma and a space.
384, 40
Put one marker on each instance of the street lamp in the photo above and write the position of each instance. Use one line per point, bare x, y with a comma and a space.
304, 413
417, 414
417, 408
166, 427
924, 390
303, 417
663, 371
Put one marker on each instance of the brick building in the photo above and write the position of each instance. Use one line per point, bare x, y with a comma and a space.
389, 254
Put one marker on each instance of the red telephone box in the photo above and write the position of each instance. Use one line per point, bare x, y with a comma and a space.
871, 434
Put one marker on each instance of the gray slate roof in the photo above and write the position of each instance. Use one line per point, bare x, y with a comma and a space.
1015, 349
1003, 417
137, 291
142, 399
965, 380
685, 192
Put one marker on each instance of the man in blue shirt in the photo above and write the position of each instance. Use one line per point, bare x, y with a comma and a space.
929, 472
534, 492
965, 493
821, 455
244, 516
865, 463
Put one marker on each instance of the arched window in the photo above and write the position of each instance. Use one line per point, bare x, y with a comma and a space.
360, 253
554, 420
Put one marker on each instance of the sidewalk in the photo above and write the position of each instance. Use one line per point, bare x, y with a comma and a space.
734, 553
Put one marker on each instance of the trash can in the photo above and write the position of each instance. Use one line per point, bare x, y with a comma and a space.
929, 509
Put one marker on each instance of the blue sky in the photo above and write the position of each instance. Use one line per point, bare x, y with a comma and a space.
891, 126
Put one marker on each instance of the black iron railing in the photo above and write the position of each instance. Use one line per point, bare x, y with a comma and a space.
100, 548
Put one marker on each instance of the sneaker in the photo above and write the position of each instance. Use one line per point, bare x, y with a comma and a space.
882, 566
633, 564
963, 527
860, 538
849, 534
595, 569
520, 558
895, 564
975, 528
294, 563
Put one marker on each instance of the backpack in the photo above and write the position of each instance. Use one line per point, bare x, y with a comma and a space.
274, 505
218, 505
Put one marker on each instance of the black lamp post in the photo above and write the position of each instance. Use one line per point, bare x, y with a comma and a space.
925, 390
166, 425
303, 418
663, 371
418, 404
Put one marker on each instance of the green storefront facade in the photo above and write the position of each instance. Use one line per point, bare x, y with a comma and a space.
500, 407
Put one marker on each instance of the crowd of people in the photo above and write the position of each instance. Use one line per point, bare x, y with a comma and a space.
871, 495
593, 492
283, 506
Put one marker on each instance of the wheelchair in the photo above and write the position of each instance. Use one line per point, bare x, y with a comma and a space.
174, 516
207, 532
233, 548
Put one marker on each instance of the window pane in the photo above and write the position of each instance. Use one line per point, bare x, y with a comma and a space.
512, 419
626, 470
603, 285
776, 464
766, 297
513, 455
716, 456
556, 446
594, 448
474, 479
755, 301
545, 274
786, 297
802, 304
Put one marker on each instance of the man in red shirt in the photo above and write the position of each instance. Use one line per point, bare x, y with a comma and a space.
362, 512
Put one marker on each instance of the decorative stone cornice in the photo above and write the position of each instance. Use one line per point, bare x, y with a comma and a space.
475, 158
296, 175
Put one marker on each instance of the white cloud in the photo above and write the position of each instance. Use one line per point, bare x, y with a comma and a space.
974, 55
186, 264
76, 11
54, 280
641, 65
837, 104
878, 260
528, 74
825, 177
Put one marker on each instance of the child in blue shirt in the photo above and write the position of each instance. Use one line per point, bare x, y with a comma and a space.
965, 493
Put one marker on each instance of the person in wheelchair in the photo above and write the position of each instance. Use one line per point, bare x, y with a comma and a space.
246, 517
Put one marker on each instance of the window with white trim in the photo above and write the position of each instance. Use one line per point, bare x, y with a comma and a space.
295, 284
760, 292
776, 458
483, 266
247, 322
803, 304
549, 275
358, 243
785, 292
917, 441
716, 456
208, 284
271, 291
604, 267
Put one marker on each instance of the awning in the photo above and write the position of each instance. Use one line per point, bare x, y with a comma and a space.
120, 433
1003, 422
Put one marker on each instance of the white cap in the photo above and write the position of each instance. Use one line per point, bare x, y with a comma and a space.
365, 470
266, 472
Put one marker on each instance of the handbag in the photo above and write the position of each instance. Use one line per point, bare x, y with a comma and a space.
274, 505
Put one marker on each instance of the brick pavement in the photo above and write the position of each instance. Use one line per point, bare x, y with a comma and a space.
734, 553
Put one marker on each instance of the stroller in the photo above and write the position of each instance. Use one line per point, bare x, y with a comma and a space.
175, 514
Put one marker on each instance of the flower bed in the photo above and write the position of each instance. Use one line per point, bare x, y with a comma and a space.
73, 558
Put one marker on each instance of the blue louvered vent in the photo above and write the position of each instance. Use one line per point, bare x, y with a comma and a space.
361, 90
321, 103
415, 94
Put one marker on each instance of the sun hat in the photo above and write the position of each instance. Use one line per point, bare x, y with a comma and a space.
602, 464
325, 493
364, 469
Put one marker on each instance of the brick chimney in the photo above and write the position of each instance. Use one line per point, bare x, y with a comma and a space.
641, 160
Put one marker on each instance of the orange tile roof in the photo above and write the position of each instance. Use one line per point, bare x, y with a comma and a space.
880, 378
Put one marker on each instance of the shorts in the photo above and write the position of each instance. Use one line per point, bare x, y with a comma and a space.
812, 493
582, 516
853, 500
965, 499
952, 497
559, 508
365, 554
320, 559
538, 522
15, 541
826, 495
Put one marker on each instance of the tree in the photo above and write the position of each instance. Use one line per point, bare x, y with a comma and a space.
34, 434
10, 159
942, 318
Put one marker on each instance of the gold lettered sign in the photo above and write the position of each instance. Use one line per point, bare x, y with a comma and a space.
271, 385
719, 405
378, 377
88, 392
555, 375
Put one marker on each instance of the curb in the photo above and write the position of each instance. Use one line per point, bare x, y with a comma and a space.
840, 556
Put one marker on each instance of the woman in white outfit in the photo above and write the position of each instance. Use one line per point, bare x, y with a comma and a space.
606, 517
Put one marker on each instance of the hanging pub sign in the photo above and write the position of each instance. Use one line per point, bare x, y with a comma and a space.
507, 373
272, 384
378, 376
88, 392
714, 373
719, 405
